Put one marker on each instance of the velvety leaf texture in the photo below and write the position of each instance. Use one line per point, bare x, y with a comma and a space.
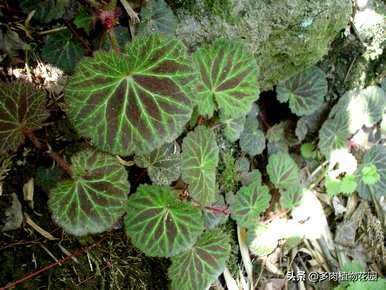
283, 172
233, 128
334, 134
305, 92
250, 201
375, 156
21, 108
134, 102
163, 164
96, 196
228, 79
159, 224
62, 50
200, 156
252, 139
156, 16
200, 266
211, 218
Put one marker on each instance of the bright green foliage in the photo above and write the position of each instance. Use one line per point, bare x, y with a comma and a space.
333, 134
45, 10
370, 174
283, 172
62, 50
291, 198
233, 128
346, 185
213, 219
199, 266
305, 91
159, 224
250, 201
156, 16
252, 139
228, 79
21, 108
376, 156
308, 150
96, 196
133, 102
200, 156
163, 164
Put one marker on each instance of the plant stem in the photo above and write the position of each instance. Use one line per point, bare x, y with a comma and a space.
114, 41
56, 29
61, 162
224, 211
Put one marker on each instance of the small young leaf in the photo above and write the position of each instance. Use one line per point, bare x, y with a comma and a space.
84, 20
305, 92
62, 50
228, 79
376, 156
200, 156
370, 174
45, 10
253, 176
250, 201
283, 172
133, 102
96, 196
156, 16
262, 239
233, 128
291, 198
242, 165
21, 108
198, 267
349, 184
159, 224
163, 164
252, 139
333, 186
308, 150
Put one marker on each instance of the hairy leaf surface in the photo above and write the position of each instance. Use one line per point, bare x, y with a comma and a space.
233, 128
134, 102
21, 108
62, 50
283, 172
163, 164
159, 224
228, 79
250, 201
376, 156
96, 196
200, 156
305, 91
156, 16
200, 266
252, 139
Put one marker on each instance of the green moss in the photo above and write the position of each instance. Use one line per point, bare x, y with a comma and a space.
285, 36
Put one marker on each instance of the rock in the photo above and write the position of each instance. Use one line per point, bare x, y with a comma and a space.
286, 36
11, 216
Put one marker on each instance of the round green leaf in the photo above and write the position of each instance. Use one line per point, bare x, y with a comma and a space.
376, 156
21, 108
200, 156
96, 196
370, 174
200, 266
252, 139
334, 134
250, 201
163, 164
62, 50
159, 224
133, 102
283, 172
233, 128
156, 16
305, 92
228, 79
253, 176
307, 151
